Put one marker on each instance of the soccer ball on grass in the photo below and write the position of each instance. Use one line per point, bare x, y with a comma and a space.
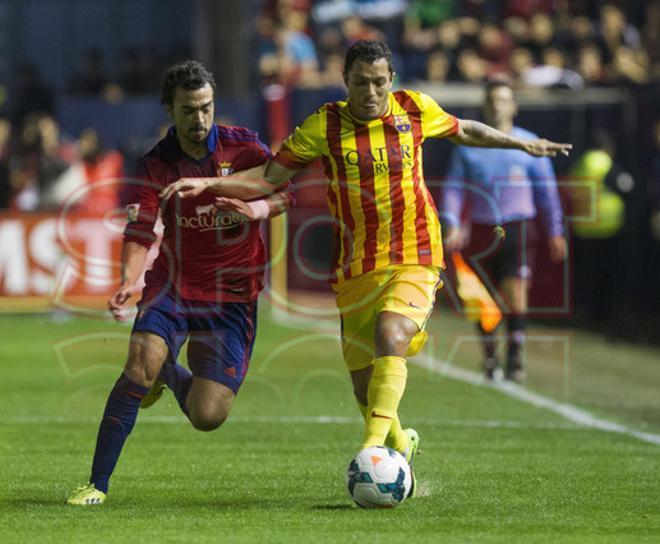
379, 477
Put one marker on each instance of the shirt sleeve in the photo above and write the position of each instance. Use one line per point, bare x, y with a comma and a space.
261, 151
142, 208
452, 190
307, 143
436, 122
546, 195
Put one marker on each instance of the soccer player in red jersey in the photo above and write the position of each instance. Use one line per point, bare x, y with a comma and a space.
204, 284
389, 239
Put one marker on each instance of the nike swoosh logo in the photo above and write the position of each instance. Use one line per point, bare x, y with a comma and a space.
374, 414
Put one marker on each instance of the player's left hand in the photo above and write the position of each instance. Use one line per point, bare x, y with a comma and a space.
558, 249
185, 187
546, 148
235, 205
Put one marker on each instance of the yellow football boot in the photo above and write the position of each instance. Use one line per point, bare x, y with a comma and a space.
86, 495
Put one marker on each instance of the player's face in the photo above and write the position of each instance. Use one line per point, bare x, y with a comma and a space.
500, 107
193, 113
368, 85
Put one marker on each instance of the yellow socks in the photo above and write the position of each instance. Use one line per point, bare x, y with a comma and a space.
386, 388
396, 438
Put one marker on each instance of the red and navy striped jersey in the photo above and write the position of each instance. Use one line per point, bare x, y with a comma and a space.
203, 255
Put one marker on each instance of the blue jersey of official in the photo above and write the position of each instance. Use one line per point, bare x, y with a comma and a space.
501, 185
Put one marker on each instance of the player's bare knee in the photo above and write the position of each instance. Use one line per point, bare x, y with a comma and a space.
143, 370
392, 340
207, 422
137, 372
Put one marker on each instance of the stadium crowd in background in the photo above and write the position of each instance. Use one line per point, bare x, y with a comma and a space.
300, 43
542, 43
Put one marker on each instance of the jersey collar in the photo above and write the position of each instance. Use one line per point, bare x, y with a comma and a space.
211, 141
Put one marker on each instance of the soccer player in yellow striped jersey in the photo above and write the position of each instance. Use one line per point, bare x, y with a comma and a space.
390, 245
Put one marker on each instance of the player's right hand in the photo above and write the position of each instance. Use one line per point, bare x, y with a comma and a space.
117, 302
546, 148
185, 188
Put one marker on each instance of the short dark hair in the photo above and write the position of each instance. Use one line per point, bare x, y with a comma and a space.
189, 74
368, 51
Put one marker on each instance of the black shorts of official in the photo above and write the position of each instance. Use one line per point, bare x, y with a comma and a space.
495, 258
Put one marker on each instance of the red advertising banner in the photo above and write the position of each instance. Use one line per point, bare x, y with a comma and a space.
47, 259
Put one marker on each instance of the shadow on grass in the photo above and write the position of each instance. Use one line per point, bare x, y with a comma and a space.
336, 506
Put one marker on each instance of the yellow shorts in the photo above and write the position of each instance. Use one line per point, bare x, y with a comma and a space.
408, 290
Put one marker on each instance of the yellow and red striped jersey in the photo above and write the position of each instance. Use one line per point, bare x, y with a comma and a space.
377, 194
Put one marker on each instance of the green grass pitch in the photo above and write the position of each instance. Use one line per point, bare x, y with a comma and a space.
492, 468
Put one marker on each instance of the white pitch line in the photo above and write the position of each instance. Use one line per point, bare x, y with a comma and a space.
568, 411
294, 420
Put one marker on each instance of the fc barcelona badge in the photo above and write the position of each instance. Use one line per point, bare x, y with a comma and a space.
402, 123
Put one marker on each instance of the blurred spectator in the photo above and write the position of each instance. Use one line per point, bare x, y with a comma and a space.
90, 79
487, 37
40, 168
333, 69
449, 37
420, 33
552, 56
267, 55
494, 46
629, 66
518, 29
598, 209
354, 28
331, 42
299, 65
590, 64
30, 95
614, 31
99, 166
541, 34
521, 60
471, 67
437, 66
597, 199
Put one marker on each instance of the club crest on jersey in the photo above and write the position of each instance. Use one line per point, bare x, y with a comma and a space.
402, 123
225, 168
132, 212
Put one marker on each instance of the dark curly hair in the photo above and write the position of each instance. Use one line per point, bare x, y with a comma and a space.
368, 51
190, 75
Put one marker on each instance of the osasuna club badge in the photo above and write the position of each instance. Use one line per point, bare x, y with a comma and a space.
225, 168
132, 212
402, 123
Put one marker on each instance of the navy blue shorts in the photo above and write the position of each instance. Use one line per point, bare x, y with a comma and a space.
221, 335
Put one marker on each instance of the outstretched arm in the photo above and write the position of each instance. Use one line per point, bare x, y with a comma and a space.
474, 133
257, 182
265, 208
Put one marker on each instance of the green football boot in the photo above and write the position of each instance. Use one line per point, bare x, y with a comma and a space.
409, 454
